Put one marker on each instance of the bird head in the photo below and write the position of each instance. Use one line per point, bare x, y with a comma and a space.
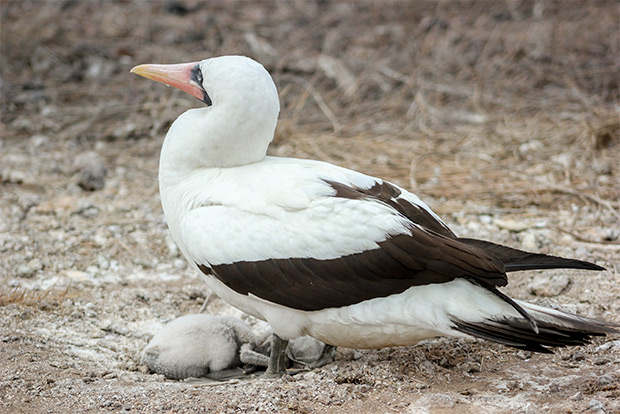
238, 123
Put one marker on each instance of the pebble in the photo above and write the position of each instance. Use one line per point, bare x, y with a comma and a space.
605, 380
427, 367
611, 234
512, 225
60, 206
601, 361
470, 367
548, 286
611, 345
596, 406
486, 219
37, 141
89, 212
578, 356
29, 269
530, 146
103, 262
12, 176
524, 355
91, 171
180, 264
529, 242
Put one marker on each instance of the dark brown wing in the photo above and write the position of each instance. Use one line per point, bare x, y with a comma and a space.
400, 262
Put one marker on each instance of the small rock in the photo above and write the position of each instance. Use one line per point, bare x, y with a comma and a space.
486, 219
103, 262
529, 242
611, 345
470, 367
578, 356
427, 367
601, 361
37, 141
530, 146
611, 234
549, 286
512, 225
91, 171
12, 176
604, 380
89, 212
180, 264
124, 131
60, 206
524, 355
596, 406
29, 269
77, 276
107, 325
27, 201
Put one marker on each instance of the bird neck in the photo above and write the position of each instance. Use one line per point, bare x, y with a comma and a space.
216, 137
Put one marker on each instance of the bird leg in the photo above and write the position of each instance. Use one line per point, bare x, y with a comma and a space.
277, 357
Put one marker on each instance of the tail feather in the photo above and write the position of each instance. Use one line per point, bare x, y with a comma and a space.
556, 329
515, 259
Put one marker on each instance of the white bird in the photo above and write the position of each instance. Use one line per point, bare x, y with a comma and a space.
196, 345
316, 249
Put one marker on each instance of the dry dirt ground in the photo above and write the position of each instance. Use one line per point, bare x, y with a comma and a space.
503, 116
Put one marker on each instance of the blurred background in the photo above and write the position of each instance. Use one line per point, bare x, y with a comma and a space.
502, 115
440, 96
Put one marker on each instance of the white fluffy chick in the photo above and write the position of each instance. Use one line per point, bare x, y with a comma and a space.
196, 345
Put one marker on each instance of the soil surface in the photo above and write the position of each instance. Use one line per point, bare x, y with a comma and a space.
503, 116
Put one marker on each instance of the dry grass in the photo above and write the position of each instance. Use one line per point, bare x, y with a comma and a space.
463, 97
32, 298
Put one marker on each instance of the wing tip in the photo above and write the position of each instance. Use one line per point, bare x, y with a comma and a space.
518, 333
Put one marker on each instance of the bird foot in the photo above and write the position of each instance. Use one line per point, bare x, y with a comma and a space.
277, 358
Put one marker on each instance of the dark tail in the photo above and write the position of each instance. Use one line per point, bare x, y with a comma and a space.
515, 259
556, 329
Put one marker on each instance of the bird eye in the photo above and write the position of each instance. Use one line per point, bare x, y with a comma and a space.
197, 75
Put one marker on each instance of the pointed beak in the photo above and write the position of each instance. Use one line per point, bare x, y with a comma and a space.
182, 76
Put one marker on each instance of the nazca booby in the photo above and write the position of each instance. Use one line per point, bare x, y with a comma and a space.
316, 249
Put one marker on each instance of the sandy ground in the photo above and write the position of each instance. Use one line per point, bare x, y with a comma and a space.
503, 116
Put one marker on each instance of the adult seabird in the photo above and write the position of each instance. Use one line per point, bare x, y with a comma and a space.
315, 249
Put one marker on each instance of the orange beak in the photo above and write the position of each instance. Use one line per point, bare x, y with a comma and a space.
182, 76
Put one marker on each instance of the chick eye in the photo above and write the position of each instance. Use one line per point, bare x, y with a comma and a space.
197, 75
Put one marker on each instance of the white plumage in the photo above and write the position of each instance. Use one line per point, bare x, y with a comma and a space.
195, 345
317, 249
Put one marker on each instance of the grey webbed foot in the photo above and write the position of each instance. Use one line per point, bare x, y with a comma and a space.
277, 358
